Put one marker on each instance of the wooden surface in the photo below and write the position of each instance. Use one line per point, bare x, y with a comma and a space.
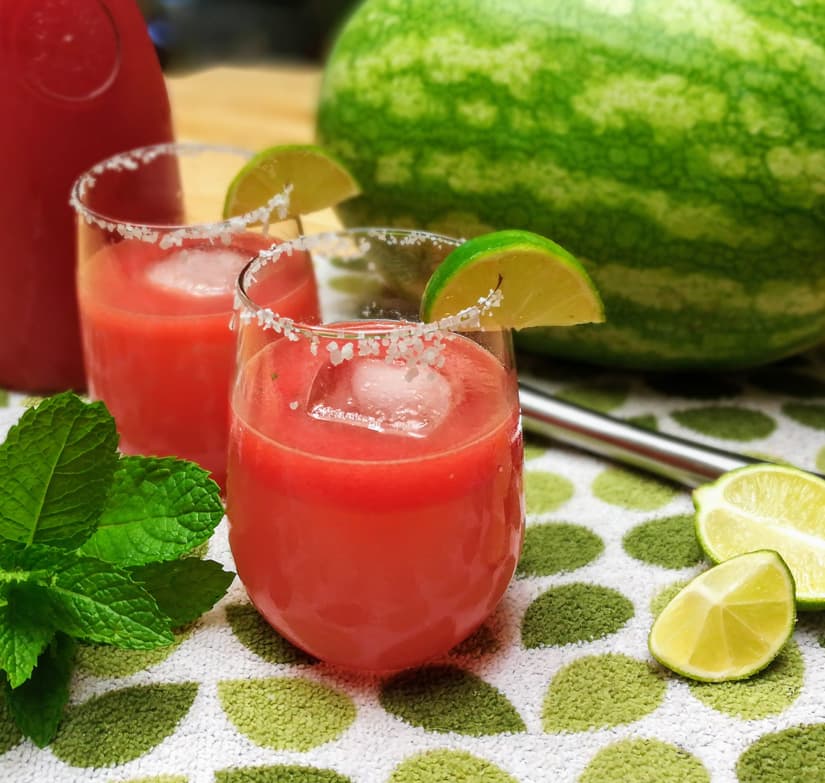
249, 107
253, 108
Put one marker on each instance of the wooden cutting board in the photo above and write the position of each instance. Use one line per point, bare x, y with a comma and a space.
250, 107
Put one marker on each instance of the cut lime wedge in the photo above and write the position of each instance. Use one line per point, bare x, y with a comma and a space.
541, 283
729, 622
318, 181
768, 507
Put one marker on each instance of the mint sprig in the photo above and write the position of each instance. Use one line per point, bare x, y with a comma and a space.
184, 589
37, 705
154, 512
56, 466
91, 548
23, 636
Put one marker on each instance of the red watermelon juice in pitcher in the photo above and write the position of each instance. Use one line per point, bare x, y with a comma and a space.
79, 81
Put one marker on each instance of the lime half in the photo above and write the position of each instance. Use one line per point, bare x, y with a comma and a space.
318, 180
768, 507
541, 284
729, 622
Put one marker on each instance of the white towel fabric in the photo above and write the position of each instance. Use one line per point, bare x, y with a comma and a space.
529, 704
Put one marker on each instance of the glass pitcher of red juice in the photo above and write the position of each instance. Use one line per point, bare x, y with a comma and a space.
79, 81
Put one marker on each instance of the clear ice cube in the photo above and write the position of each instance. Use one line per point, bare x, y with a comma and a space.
381, 396
200, 271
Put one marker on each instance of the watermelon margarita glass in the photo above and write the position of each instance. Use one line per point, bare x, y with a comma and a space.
155, 284
374, 488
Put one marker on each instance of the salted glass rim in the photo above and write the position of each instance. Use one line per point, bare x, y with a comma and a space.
248, 310
169, 234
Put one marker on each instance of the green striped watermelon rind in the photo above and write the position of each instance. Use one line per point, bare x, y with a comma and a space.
677, 150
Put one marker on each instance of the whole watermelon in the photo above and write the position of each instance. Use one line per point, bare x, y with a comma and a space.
677, 147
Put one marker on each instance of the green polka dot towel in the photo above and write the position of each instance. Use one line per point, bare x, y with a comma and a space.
557, 686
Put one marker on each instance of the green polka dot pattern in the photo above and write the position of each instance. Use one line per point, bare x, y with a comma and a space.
287, 713
482, 642
444, 766
534, 448
121, 725
574, 613
601, 691
668, 541
726, 422
602, 398
280, 774
555, 547
447, 698
796, 755
545, 491
632, 490
557, 684
160, 779
807, 414
646, 421
107, 661
257, 635
644, 761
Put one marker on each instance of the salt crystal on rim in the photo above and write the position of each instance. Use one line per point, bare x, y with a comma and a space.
416, 344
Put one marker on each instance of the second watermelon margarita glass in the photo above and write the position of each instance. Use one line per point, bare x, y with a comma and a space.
374, 487
155, 281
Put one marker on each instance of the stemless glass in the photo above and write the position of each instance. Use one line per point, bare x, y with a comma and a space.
374, 491
155, 283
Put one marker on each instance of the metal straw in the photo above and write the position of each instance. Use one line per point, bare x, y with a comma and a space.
674, 458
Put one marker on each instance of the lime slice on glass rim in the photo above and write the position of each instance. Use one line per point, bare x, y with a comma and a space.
730, 621
541, 284
318, 181
766, 506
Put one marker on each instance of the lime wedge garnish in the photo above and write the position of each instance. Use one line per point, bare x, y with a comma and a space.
541, 284
317, 179
729, 622
768, 507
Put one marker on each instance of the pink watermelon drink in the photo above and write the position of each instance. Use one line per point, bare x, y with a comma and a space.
374, 484
155, 302
79, 80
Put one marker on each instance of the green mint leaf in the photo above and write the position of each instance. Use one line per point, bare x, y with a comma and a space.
56, 466
157, 510
84, 597
184, 589
37, 705
23, 636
